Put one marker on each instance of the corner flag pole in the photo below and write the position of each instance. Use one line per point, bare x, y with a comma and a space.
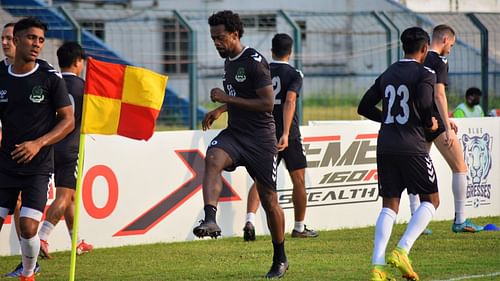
76, 219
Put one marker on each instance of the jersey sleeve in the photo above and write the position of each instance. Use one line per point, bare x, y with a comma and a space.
442, 73
296, 83
59, 92
367, 106
425, 97
261, 73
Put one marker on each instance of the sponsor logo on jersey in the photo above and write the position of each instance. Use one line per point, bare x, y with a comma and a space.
341, 171
240, 75
256, 57
37, 95
3, 96
477, 155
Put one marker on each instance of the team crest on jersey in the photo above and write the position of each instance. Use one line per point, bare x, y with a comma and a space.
240, 75
37, 95
3, 96
477, 156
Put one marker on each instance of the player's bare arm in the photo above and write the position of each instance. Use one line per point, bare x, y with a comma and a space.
442, 105
26, 151
211, 116
263, 102
288, 113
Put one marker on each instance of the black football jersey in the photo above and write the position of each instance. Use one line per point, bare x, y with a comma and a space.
285, 78
406, 90
439, 64
243, 75
76, 87
28, 104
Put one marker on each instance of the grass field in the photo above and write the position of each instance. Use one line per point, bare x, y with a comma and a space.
334, 255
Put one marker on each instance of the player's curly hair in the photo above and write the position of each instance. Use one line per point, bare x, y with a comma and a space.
230, 20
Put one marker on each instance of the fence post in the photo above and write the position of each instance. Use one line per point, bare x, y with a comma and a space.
297, 48
192, 70
387, 37
484, 58
74, 23
398, 34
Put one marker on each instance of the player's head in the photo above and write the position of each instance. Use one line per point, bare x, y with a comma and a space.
226, 29
443, 38
281, 45
8, 47
70, 57
473, 96
415, 43
29, 38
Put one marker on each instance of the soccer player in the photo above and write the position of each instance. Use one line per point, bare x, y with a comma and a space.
249, 139
470, 107
406, 91
287, 82
445, 138
35, 112
71, 61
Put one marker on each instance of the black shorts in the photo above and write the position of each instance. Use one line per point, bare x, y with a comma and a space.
65, 169
431, 136
258, 156
294, 156
34, 190
416, 173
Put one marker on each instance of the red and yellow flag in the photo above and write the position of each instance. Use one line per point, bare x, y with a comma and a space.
121, 100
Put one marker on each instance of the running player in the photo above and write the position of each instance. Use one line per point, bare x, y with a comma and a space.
287, 82
71, 61
406, 91
32, 96
249, 139
445, 138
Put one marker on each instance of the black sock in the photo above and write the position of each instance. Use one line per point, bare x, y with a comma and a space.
279, 252
210, 212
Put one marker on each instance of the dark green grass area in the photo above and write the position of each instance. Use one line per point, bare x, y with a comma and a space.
335, 255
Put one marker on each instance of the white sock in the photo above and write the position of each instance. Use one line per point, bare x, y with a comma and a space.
299, 226
414, 202
45, 230
251, 218
383, 230
29, 251
459, 188
78, 239
417, 224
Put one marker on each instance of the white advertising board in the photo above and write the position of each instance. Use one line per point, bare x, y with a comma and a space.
137, 192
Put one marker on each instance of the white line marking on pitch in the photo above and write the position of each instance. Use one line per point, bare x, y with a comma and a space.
472, 277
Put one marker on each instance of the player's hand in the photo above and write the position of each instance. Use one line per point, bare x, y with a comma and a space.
25, 152
435, 125
449, 138
454, 126
209, 118
218, 95
283, 143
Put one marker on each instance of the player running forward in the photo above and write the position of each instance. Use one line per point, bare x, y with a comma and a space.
35, 112
445, 138
249, 139
406, 91
287, 82
71, 61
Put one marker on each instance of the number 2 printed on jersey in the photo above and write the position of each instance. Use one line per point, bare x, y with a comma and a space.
390, 93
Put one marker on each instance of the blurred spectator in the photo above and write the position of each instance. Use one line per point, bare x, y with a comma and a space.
471, 107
